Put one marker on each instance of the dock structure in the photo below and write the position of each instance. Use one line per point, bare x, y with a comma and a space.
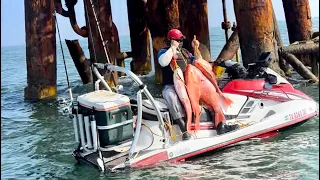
255, 31
298, 19
299, 25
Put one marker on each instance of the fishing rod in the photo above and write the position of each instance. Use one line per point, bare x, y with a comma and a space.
64, 60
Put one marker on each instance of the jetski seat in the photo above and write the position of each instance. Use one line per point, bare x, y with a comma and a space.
149, 113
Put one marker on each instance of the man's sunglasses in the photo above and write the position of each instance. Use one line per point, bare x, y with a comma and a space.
178, 40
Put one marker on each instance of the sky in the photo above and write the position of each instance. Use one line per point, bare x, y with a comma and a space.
13, 29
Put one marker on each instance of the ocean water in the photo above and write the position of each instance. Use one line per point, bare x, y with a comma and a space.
37, 139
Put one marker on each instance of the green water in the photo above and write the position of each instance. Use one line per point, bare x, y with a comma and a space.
37, 138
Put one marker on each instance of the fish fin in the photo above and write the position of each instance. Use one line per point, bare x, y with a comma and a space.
197, 119
189, 123
219, 117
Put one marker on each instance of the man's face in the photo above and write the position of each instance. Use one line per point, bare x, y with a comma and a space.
180, 41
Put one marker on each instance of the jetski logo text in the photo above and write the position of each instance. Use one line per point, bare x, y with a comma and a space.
296, 115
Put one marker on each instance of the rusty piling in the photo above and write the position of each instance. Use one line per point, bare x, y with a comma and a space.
81, 62
110, 36
139, 35
225, 25
299, 25
161, 16
40, 50
193, 17
298, 19
231, 47
256, 30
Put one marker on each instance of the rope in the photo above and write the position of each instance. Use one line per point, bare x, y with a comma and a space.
64, 60
90, 32
242, 125
173, 135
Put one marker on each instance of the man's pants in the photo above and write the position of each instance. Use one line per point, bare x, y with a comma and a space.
173, 102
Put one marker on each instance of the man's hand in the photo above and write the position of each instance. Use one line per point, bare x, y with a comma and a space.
195, 43
174, 44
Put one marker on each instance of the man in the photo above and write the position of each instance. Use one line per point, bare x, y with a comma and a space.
174, 50
183, 57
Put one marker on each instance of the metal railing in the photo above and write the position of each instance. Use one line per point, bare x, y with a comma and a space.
144, 90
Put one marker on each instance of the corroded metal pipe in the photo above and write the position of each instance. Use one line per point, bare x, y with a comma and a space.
284, 66
60, 10
70, 13
302, 48
109, 33
231, 47
160, 16
315, 34
298, 18
124, 55
225, 24
299, 67
81, 62
73, 20
299, 25
193, 17
40, 50
139, 35
256, 29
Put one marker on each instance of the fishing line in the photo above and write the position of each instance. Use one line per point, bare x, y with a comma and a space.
101, 37
64, 60
90, 32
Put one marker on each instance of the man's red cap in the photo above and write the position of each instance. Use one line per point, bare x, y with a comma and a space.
175, 34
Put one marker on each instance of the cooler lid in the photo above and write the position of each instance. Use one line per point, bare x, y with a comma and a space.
103, 100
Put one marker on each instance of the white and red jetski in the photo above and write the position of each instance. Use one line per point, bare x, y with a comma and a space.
103, 122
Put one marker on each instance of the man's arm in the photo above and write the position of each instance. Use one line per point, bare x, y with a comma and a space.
165, 56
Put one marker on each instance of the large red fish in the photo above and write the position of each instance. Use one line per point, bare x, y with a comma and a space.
192, 81
180, 87
206, 70
200, 88
210, 98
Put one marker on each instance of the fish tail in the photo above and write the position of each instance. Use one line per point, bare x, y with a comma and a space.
226, 101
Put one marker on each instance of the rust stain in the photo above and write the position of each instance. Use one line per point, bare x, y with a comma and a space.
109, 33
194, 21
298, 19
40, 49
256, 28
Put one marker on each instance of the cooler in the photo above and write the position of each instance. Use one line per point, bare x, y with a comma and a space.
112, 113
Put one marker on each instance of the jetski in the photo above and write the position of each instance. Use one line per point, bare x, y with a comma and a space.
115, 132
259, 81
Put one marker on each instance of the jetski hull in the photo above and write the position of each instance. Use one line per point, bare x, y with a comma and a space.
261, 121
157, 139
